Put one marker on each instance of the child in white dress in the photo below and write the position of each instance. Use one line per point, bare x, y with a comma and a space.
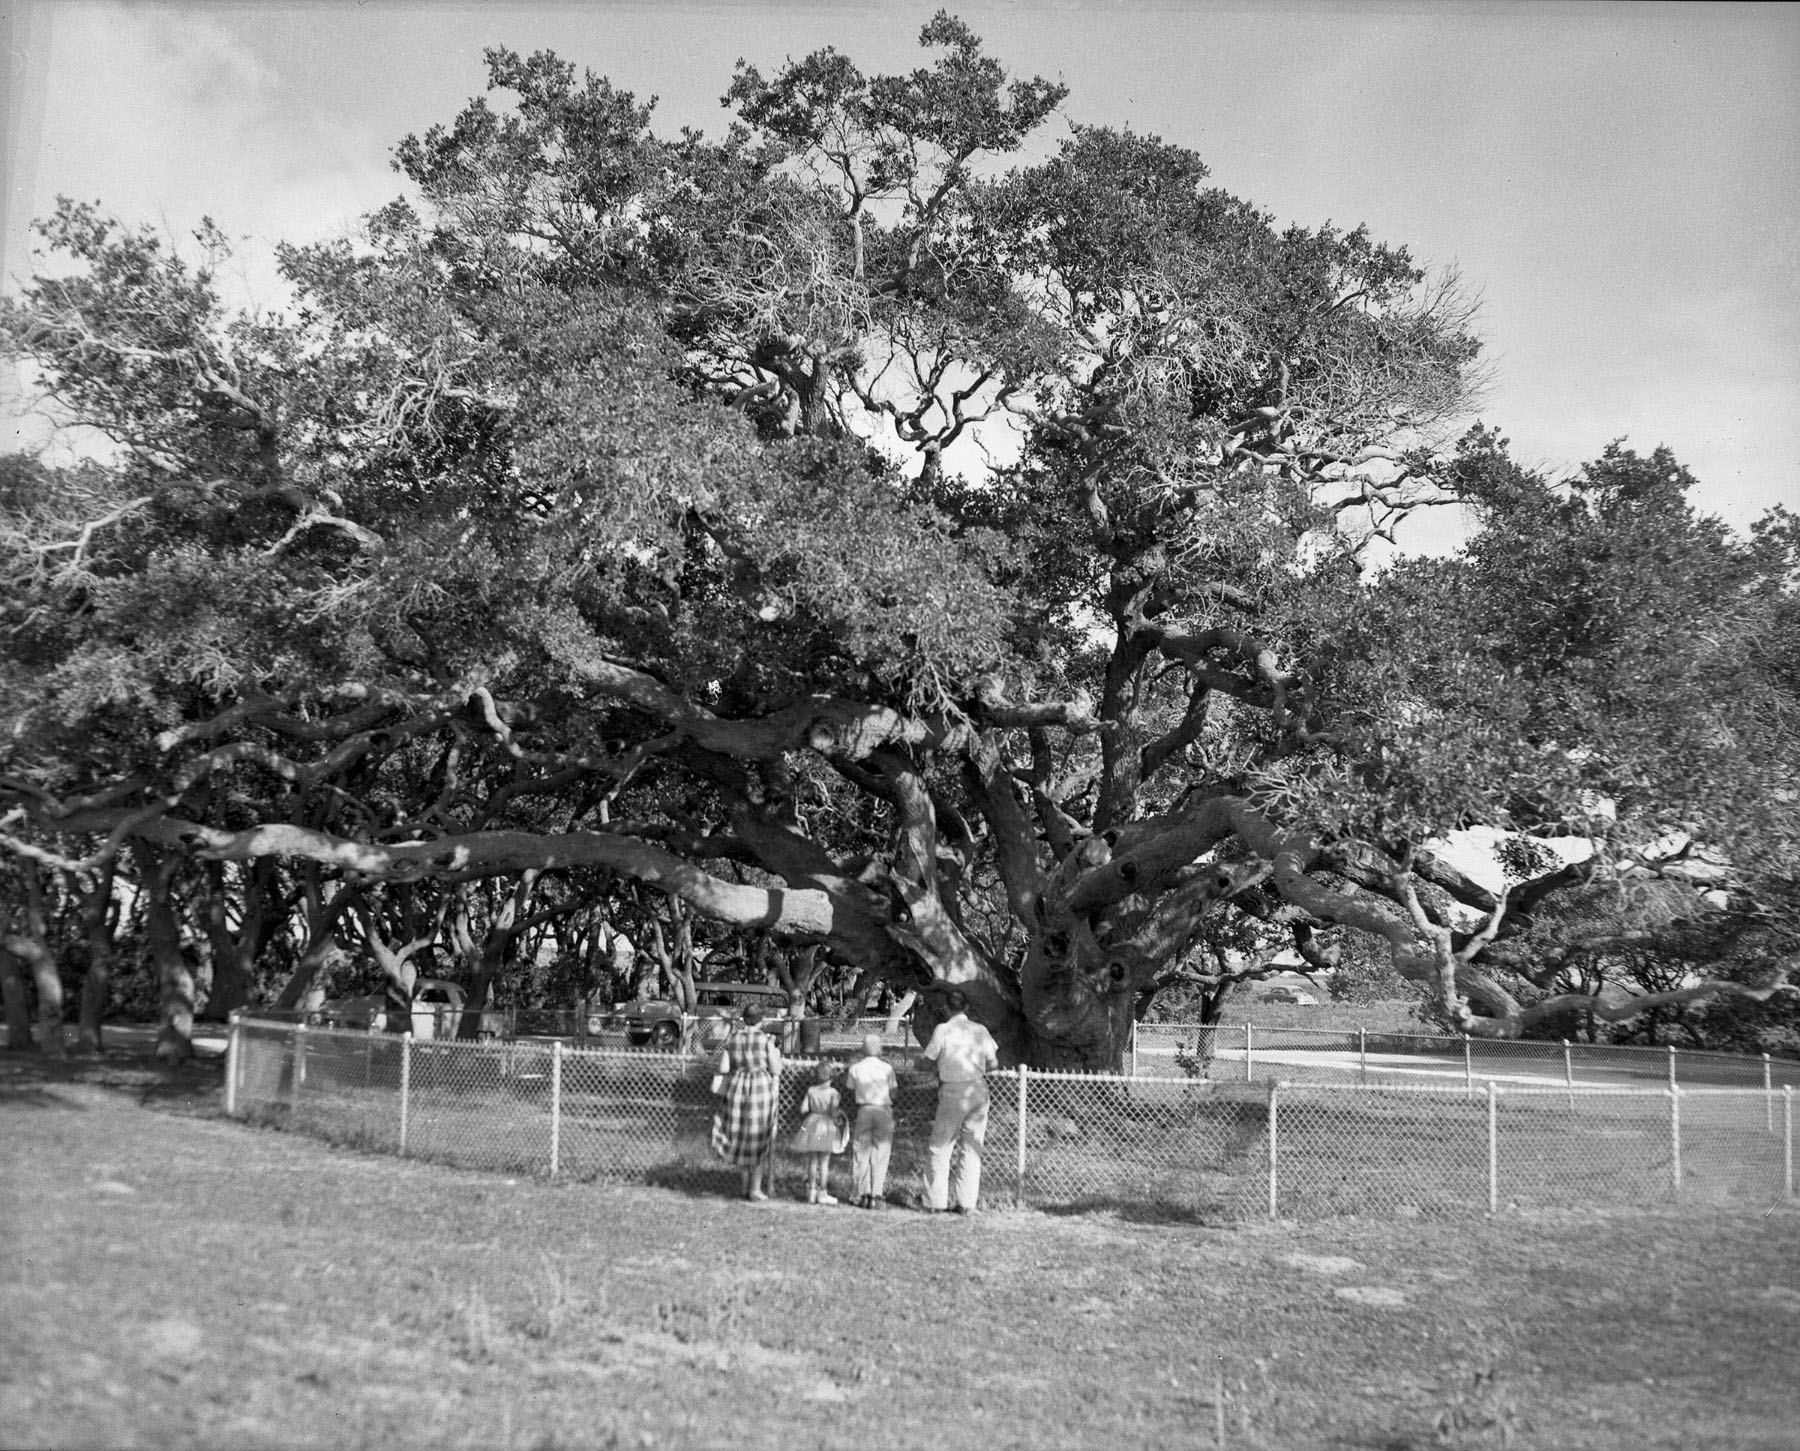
823, 1132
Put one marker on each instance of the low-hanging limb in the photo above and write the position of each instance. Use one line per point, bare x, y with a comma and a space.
1550, 1008
494, 853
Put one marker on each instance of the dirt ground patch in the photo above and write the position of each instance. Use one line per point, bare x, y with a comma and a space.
173, 1278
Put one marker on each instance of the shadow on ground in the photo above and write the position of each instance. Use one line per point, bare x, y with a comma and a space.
27, 1079
1140, 1211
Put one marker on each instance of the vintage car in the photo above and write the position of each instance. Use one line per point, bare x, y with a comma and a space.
659, 1023
438, 1007
649, 1022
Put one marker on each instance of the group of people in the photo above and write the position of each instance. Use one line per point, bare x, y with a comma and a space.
749, 1080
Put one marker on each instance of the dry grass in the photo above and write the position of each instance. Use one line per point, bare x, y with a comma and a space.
176, 1279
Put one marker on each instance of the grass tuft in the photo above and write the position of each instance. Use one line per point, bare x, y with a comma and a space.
551, 1302
472, 1323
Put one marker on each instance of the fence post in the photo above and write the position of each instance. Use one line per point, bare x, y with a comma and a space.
1671, 1065
1787, 1141
1468, 1069
1569, 1073
231, 1066
1134, 1072
1019, 1180
1362, 1054
1768, 1098
1274, 1147
1493, 1148
299, 1074
1675, 1136
555, 1105
1247, 1052
405, 1086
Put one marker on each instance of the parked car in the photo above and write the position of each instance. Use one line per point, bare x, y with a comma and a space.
717, 1004
437, 1011
648, 1022
1292, 995
659, 1023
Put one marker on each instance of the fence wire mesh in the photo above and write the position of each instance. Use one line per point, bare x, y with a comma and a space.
1203, 1143
1176, 1147
1379, 1151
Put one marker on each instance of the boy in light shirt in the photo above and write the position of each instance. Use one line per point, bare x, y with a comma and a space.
872, 1141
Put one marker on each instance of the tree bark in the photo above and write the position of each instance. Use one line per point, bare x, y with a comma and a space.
325, 904
487, 959
18, 1004
30, 945
175, 975
234, 952
99, 917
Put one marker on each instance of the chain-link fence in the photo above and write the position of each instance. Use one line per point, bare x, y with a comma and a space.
600, 1026
1249, 1051
1176, 1146
1218, 1051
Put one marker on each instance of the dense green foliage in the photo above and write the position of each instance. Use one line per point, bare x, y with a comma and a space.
836, 538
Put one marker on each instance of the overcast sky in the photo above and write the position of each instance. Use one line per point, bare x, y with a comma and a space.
1620, 181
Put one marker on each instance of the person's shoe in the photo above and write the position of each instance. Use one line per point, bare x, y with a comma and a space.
963, 1209
758, 1197
825, 1198
865, 1201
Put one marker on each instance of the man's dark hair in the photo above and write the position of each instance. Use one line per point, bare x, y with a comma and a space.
753, 1013
956, 1000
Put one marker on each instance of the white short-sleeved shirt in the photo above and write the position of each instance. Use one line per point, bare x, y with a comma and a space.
874, 1081
964, 1051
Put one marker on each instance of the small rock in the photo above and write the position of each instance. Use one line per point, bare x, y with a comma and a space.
1381, 1296
1324, 1264
113, 1186
175, 1338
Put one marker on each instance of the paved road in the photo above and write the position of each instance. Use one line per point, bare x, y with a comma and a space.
1647, 1070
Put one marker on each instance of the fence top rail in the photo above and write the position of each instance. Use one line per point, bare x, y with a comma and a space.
1547, 1046
675, 1055
316, 1030
1459, 1089
290, 1026
1041, 1075
1426, 1035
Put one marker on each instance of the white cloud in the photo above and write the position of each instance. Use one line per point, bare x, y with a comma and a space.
164, 117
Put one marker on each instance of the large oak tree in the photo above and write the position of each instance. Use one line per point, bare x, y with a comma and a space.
872, 543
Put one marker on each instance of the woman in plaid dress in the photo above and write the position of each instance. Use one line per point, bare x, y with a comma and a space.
743, 1130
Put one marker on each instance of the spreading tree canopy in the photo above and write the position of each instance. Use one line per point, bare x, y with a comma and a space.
951, 564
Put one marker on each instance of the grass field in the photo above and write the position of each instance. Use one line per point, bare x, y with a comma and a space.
174, 1278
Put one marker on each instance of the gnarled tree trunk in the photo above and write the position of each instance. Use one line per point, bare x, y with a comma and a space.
234, 951
325, 904
29, 943
174, 973
99, 918
18, 1004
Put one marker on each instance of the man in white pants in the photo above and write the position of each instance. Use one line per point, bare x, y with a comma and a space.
965, 1053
